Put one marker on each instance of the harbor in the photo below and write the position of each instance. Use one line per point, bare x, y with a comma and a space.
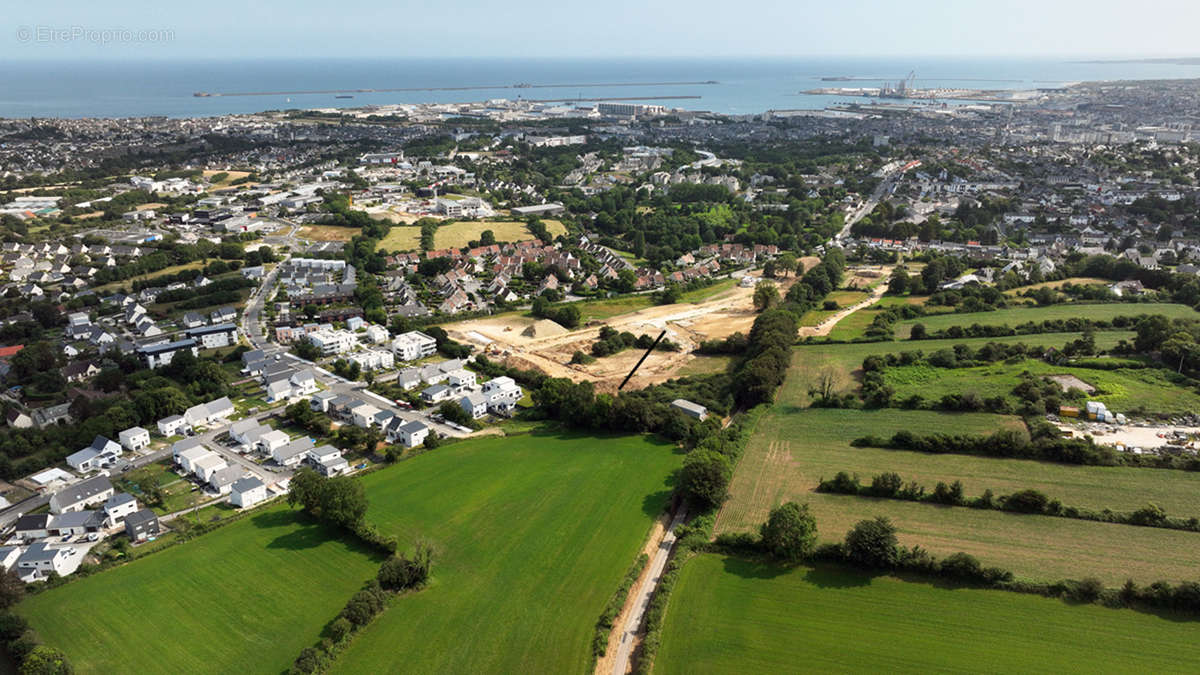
519, 85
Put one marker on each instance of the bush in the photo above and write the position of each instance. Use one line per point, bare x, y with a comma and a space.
790, 532
873, 544
340, 629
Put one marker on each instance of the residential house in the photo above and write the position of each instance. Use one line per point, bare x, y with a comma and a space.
99, 453
118, 507
134, 438
292, 453
81, 495
437, 393
175, 424
502, 394
364, 415
17, 419
51, 414
80, 371
247, 492
269, 441
475, 404
141, 525
460, 379
413, 345
38, 561
32, 526
192, 320
215, 336
223, 479
408, 434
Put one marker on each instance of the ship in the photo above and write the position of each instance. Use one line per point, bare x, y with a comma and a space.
522, 85
837, 78
201, 94
343, 96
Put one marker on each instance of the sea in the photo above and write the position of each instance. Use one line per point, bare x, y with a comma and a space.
76, 89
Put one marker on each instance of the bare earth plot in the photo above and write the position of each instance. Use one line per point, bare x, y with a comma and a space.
688, 324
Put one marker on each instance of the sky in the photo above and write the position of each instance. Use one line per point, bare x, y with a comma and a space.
563, 29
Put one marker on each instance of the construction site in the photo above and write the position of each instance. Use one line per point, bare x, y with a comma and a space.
540, 344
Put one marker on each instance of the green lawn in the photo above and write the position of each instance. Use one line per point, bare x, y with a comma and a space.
1121, 390
1020, 315
729, 615
705, 365
532, 534
245, 598
843, 299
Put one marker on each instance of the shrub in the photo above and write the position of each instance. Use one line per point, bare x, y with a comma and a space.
790, 532
872, 543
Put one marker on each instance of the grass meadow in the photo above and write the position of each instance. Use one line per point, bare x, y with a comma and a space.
1020, 315
245, 598
459, 233
729, 615
531, 534
1123, 389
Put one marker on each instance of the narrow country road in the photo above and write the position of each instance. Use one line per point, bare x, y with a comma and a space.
636, 617
827, 326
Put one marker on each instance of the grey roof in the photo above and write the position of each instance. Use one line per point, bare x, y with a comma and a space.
82, 456
167, 346
39, 553
475, 399
226, 476
412, 426
119, 499
685, 404
138, 517
242, 426
185, 445
296, 447
247, 484
218, 405
77, 519
172, 418
33, 521
435, 389
83, 490
208, 330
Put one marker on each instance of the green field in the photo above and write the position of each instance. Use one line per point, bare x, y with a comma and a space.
1121, 390
532, 535
245, 598
729, 615
843, 299
1020, 315
793, 448
845, 360
705, 365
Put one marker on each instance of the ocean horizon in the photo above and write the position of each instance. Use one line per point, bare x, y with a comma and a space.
76, 89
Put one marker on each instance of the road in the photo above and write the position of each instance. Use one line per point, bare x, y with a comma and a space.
254, 330
634, 622
885, 187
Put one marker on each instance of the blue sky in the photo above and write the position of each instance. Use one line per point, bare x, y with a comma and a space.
65, 29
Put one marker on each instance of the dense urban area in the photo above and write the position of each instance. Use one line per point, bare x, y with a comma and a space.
611, 387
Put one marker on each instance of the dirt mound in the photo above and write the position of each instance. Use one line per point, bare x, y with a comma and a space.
543, 328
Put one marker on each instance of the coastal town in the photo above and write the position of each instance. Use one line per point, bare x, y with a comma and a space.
199, 314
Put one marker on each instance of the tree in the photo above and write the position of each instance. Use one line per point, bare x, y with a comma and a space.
790, 532
344, 501
12, 589
872, 543
899, 283
705, 477
787, 262
487, 238
918, 332
766, 296
340, 628
45, 660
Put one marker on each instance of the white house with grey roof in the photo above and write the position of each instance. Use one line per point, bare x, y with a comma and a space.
175, 424
408, 434
247, 492
100, 452
118, 507
81, 495
39, 560
134, 438
293, 453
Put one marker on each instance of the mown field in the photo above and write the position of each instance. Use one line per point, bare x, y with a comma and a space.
809, 362
1121, 390
843, 299
532, 535
458, 234
793, 448
1078, 281
729, 615
1020, 315
245, 598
